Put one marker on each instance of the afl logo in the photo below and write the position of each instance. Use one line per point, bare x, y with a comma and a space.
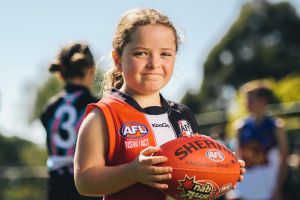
185, 127
133, 130
215, 155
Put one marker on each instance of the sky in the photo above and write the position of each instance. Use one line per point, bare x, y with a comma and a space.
33, 31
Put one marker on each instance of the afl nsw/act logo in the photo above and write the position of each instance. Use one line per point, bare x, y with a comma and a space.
185, 127
215, 155
133, 130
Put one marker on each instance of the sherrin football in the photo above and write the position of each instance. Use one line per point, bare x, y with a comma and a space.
202, 168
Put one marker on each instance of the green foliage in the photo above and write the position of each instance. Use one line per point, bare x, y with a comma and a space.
18, 152
192, 101
97, 88
48, 89
288, 89
262, 43
23, 189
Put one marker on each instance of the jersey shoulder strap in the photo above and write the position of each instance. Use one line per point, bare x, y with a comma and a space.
110, 126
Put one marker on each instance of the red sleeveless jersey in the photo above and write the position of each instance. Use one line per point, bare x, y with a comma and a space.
132, 128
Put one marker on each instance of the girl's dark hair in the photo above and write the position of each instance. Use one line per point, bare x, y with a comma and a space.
125, 28
73, 61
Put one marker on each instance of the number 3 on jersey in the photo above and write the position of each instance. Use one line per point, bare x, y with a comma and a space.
68, 112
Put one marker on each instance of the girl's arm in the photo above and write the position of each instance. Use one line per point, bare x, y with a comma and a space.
94, 178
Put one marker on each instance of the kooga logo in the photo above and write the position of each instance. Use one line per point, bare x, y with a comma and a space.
164, 125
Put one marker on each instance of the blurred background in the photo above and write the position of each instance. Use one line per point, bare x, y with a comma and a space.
224, 45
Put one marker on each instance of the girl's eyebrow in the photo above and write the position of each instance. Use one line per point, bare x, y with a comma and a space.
137, 48
144, 48
168, 48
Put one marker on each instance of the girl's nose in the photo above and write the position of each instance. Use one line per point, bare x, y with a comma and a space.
153, 61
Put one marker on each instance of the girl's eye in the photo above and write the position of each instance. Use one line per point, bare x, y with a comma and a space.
166, 54
141, 53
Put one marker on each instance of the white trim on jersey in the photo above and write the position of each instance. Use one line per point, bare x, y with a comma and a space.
56, 162
162, 128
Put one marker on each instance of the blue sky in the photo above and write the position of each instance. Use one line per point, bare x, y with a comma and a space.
32, 31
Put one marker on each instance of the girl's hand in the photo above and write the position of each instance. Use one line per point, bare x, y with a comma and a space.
146, 172
242, 171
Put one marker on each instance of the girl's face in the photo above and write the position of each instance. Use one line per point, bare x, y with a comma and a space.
148, 59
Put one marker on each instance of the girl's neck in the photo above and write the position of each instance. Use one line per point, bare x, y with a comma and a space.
144, 100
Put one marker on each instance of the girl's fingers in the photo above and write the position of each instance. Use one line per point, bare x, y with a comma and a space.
243, 170
241, 178
242, 163
160, 186
160, 177
234, 186
149, 150
153, 160
159, 170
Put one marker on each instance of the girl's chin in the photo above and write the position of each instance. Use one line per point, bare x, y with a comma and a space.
146, 89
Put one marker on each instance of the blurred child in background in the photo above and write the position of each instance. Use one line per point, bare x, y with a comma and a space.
262, 144
63, 115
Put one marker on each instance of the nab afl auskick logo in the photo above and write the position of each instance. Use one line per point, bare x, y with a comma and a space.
215, 155
133, 130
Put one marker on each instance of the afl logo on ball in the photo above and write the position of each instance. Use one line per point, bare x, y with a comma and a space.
215, 155
133, 130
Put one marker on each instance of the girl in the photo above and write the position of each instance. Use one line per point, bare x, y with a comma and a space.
63, 116
120, 134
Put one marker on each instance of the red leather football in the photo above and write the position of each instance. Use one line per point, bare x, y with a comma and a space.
202, 168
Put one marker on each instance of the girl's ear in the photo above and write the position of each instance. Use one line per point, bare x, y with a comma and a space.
117, 60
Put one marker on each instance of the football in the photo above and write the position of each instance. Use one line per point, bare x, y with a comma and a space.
202, 168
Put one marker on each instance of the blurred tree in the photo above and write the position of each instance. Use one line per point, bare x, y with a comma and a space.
16, 152
49, 88
23, 189
264, 42
288, 89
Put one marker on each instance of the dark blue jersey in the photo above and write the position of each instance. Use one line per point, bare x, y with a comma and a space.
264, 132
62, 118
256, 139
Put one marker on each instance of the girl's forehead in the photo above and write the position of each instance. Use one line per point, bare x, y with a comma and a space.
156, 32
153, 27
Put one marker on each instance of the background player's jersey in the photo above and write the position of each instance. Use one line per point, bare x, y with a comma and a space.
259, 149
256, 139
62, 118
132, 128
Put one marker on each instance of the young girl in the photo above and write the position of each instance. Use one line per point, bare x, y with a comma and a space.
120, 134
63, 115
